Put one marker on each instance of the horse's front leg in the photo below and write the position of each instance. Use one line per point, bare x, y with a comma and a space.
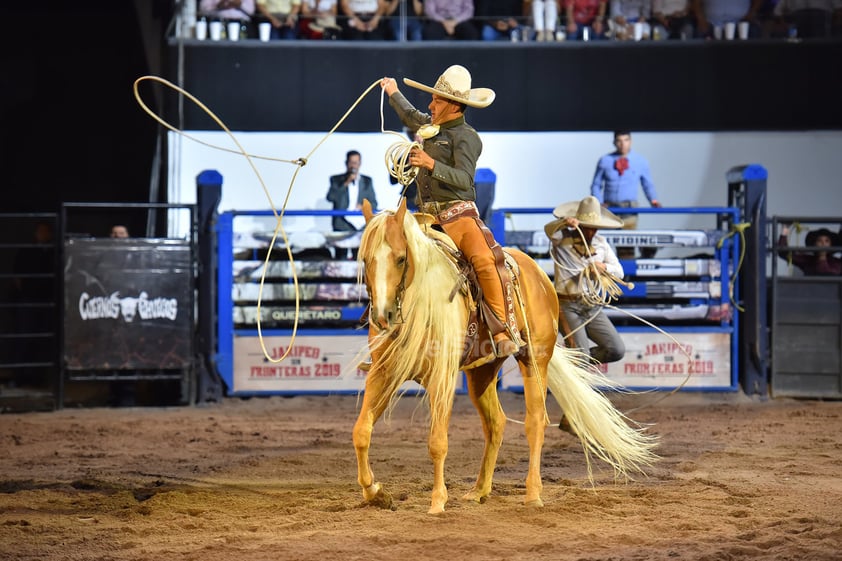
374, 403
437, 446
535, 394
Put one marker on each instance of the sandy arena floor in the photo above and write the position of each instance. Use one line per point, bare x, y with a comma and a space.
275, 479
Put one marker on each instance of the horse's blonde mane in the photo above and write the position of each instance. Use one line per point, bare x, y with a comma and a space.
427, 347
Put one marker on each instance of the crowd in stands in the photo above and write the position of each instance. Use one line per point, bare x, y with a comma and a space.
530, 20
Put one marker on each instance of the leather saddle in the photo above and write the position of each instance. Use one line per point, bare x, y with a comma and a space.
482, 322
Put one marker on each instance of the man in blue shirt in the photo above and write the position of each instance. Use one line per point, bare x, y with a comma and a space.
615, 184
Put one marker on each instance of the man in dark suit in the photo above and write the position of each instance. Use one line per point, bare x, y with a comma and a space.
347, 187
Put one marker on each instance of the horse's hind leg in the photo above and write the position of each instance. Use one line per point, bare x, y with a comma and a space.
374, 403
535, 395
482, 388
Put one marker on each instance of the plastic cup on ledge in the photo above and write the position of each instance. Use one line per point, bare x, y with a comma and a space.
234, 30
742, 30
730, 30
265, 29
215, 28
201, 29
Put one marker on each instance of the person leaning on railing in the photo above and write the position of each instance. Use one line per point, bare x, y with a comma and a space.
813, 262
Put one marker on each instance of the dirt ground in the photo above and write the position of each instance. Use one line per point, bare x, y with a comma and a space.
275, 479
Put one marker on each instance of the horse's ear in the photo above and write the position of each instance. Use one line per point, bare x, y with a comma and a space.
367, 211
401, 211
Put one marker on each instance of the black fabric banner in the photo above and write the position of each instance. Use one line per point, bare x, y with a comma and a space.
128, 304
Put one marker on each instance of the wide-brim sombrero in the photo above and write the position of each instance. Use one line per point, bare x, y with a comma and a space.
589, 213
455, 84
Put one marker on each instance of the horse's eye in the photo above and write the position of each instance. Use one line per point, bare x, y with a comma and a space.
400, 261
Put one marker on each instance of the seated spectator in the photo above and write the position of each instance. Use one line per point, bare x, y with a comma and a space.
674, 19
362, 19
712, 14
545, 18
582, 15
283, 15
812, 18
625, 14
227, 10
414, 12
449, 19
813, 262
318, 20
498, 19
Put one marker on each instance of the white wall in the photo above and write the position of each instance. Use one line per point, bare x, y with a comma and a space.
533, 169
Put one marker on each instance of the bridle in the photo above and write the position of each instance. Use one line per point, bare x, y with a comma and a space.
400, 292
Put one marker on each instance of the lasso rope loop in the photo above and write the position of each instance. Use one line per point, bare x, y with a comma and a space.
299, 163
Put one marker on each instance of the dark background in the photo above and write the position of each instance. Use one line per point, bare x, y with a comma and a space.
572, 86
71, 129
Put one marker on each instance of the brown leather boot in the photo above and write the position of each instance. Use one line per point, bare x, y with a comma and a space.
503, 346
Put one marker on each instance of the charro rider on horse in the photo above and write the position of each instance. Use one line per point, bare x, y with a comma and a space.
447, 165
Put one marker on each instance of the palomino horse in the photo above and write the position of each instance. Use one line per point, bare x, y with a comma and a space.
417, 327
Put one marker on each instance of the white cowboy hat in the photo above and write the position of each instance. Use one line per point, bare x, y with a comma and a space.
455, 84
589, 213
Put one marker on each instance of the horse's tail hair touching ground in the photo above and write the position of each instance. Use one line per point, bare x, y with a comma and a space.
604, 431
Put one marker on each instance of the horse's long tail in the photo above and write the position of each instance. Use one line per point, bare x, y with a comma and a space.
604, 431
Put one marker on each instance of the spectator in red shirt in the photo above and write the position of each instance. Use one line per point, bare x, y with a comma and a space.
582, 14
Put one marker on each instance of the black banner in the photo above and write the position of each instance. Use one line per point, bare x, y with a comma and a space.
127, 304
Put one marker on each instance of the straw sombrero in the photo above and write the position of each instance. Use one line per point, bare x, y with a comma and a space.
455, 84
589, 213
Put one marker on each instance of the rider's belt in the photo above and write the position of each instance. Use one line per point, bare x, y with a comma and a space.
449, 210
568, 297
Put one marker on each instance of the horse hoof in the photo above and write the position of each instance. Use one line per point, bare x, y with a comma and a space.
537, 503
381, 499
475, 497
436, 509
